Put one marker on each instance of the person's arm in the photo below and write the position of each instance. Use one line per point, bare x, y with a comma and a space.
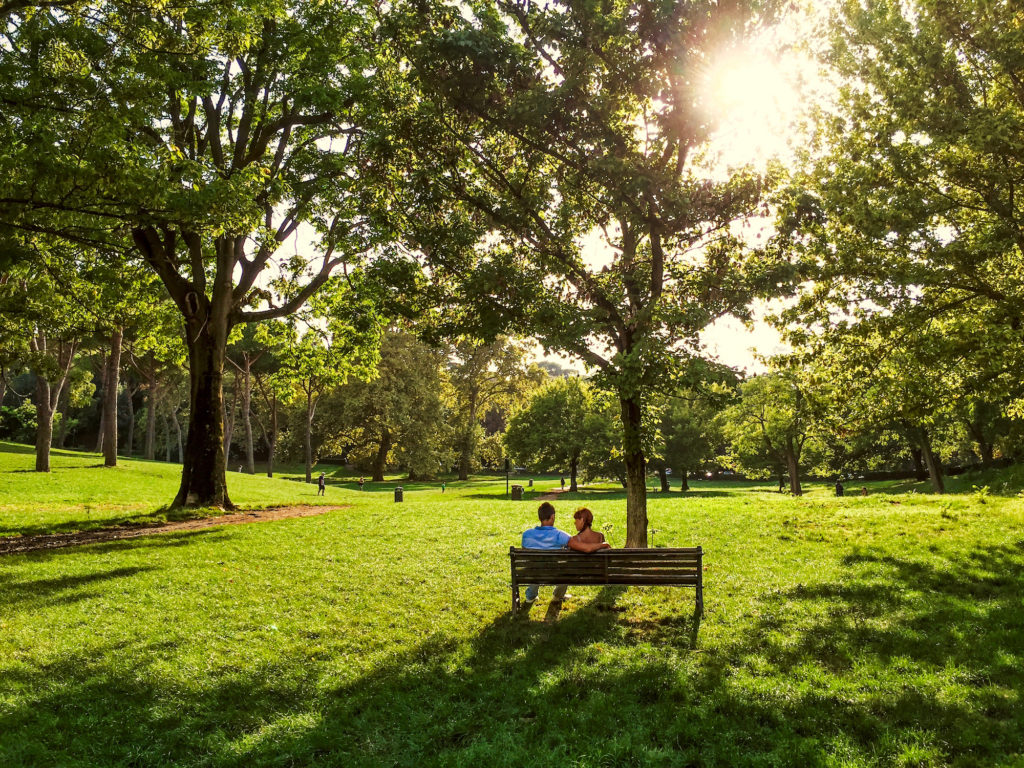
579, 546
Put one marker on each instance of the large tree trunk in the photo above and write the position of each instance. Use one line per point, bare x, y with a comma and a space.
932, 462
574, 465
684, 483
793, 467
203, 474
308, 437
63, 406
150, 445
920, 473
167, 438
129, 436
270, 435
110, 384
636, 474
986, 450
381, 459
101, 391
177, 433
468, 443
250, 460
229, 421
44, 424
48, 395
663, 477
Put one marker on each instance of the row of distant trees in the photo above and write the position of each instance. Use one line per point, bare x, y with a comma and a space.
337, 167
396, 403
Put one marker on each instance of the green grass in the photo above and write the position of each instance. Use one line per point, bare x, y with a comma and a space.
877, 631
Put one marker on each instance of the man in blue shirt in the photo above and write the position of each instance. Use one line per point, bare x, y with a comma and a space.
546, 536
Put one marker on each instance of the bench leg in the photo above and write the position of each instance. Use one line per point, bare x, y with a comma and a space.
700, 596
515, 598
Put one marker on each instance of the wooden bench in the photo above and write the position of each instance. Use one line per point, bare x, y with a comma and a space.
681, 566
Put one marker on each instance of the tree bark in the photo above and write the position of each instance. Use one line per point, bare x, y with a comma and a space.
63, 407
250, 460
177, 432
167, 438
793, 467
466, 454
684, 483
44, 424
574, 465
48, 395
986, 450
920, 473
932, 462
229, 421
151, 394
636, 474
308, 437
129, 435
380, 460
110, 384
101, 390
270, 435
663, 477
203, 478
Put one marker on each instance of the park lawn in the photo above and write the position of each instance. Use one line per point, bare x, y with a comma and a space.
877, 631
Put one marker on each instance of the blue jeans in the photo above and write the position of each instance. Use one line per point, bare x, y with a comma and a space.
558, 594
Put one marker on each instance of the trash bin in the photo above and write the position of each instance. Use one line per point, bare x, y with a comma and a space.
517, 493
398, 493
530, 484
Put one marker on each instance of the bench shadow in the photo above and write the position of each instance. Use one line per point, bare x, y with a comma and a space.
894, 661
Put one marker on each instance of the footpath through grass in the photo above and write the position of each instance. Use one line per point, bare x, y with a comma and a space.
877, 631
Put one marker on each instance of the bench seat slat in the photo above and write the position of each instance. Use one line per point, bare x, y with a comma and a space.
678, 566
599, 581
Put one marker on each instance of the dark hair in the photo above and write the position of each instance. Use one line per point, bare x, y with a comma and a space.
545, 511
585, 515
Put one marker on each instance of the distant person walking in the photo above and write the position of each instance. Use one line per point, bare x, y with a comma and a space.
442, 486
321, 485
563, 483
360, 483
839, 488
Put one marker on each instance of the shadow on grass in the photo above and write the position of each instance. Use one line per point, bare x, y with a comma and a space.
20, 594
898, 662
113, 546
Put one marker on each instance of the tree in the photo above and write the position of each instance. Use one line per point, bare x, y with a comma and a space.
484, 376
565, 423
768, 427
912, 202
690, 432
271, 383
211, 135
243, 354
581, 122
396, 417
51, 323
332, 348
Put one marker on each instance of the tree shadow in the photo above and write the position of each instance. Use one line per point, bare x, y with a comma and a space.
897, 661
112, 546
31, 594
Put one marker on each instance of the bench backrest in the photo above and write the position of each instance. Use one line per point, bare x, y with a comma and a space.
677, 566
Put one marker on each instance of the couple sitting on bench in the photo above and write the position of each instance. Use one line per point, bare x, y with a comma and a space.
546, 536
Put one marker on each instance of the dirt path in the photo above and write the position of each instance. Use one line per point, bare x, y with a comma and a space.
10, 545
549, 496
